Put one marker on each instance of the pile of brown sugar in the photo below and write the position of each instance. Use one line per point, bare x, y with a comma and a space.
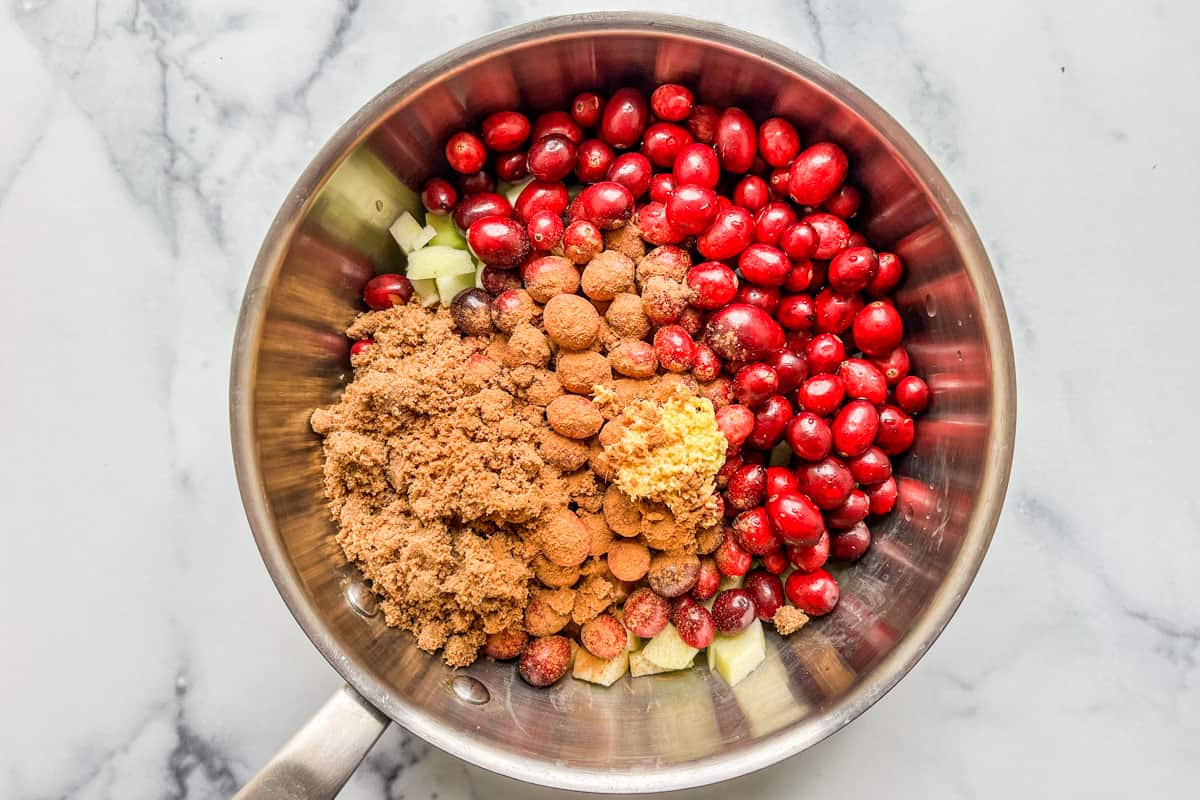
470, 481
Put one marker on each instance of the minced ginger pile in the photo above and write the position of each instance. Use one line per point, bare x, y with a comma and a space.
466, 510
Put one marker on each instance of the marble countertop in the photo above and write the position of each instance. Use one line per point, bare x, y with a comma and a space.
145, 147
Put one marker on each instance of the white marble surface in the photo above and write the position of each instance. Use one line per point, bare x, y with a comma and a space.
145, 145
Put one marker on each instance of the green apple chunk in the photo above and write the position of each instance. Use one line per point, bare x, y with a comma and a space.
669, 651
639, 665
445, 232
448, 286
735, 657
596, 670
426, 290
435, 261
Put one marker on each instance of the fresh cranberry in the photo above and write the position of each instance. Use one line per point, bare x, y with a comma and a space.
674, 348
887, 277
551, 158
385, 291
851, 544
703, 123
672, 102
824, 352
663, 141
832, 234
697, 165
849, 513
894, 366
752, 193
844, 202
815, 593
852, 269
361, 345
766, 591
754, 383
731, 559
854, 428
735, 423
856, 239
662, 186
753, 531
496, 281
759, 296
778, 142
912, 395
799, 241
863, 380
807, 557
475, 183
692, 208
799, 278
809, 436
882, 496
753, 456
797, 341
871, 467
778, 180
718, 391
772, 221
816, 173
592, 160
896, 431
733, 611
633, 171
505, 130
692, 320
764, 265
733, 462
821, 394
607, 205
624, 118
498, 241
828, 482
477, 206
512, 167
747, 487
770, 421
835, 312
878, 329
706, 366
557, 122
780, 480
582, 241
694, 623
465, 153
707, 580
438, 196
735, 140
731, 231
586, 109
656, 226
741, 332
775, 564
545, 230
796, 312
797, 519
791, 367
712, 283
541, 196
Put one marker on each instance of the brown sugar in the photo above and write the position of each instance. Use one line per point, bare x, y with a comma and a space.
571, 321
581, 372
789, 619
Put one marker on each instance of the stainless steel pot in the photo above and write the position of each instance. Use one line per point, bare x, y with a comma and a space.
656, 733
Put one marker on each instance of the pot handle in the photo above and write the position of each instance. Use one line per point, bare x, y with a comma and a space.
319, 759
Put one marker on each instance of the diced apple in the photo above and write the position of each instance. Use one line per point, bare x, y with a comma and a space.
436, 261
596, 670
426, 289
410, 234
446, 234
449, 286
639, 665
669, 651
735, 657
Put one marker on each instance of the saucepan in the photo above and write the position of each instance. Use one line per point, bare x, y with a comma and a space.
653, 733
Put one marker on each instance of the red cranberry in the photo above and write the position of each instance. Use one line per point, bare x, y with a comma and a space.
477, 206
761, 297
545, 230
780, 480
799, 241
385, 291
890, 271
607, 205
792, 369
662, 186
849, 513
505, 130
871, 467
752, 193
512, 167
551, 158
692, 320
672, 102
772, 221
807, 557
824, 352
496, 281
361, 345
541, 196
850, 545
703, 123
706, 366
764, 265
438, 196
592, 160
835, 312
855, 427
863, 380
586, 109
498, 241
894, 366
647, 613
832, 234
844, 202
735, 422
775, 564
741, 332
747, 487
912, 395
731, 559
694, 623
707, 580
697, 165
713, 285
852, 269
766, 591
752, 456
821, 394
733, 462
624, 118
828, 482
692, 208
465, 153
816, 173
754, 383
799, 278
754, 533
733, 611
475, 183
656, 226
557, 122
778, 142
797, 519
735, 140
896, 431
731, 231
719, 391
663, 141
778, 179
882, 496
582, 241
857, 239
796, 342
878, 329
633, 171
809, 436
815, 593
674, 348
796, 313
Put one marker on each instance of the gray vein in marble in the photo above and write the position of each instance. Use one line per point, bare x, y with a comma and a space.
814, 23
337, 41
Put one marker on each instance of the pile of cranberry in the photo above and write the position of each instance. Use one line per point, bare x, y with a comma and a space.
789, 328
